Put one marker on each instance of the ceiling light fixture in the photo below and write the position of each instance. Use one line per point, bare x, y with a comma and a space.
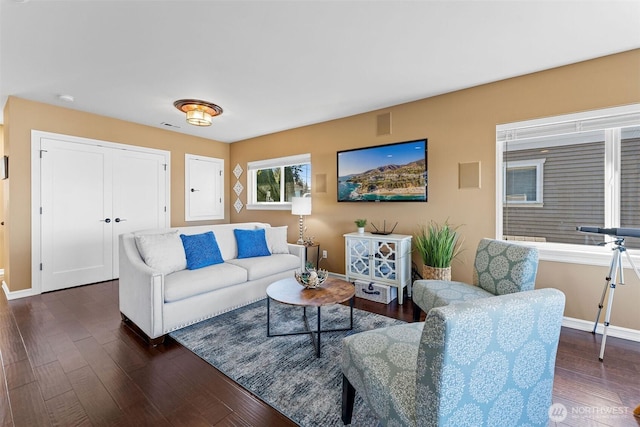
199, 113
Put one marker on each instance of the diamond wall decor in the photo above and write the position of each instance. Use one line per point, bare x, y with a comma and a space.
237, 171
238, 205
238, 188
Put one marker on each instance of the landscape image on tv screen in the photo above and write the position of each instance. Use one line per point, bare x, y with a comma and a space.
391, 173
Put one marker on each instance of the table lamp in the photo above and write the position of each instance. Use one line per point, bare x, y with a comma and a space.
301, 206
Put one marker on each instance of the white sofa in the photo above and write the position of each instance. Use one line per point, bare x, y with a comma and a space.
159, 302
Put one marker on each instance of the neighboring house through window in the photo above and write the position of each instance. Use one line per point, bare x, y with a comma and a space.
587, 165
273, 182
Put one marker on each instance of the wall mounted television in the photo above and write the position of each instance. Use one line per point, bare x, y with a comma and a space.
384, 173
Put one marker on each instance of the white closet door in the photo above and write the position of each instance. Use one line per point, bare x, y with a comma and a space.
204, 188
139, 195
90, 194
76, 217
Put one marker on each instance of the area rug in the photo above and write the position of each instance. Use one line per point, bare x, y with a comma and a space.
284, 371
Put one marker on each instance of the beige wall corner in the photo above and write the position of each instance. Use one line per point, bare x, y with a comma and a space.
460, 127
2, 208
22, 116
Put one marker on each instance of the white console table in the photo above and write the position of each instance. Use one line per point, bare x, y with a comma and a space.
379, 258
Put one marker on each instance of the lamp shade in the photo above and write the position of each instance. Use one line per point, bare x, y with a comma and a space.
198, 118
301, 205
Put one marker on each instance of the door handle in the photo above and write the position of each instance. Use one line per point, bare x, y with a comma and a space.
120, 219
193, 190
107, 220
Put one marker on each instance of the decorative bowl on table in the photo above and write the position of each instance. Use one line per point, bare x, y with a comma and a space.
311, 278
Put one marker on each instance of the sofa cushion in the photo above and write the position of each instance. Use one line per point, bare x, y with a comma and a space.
251, 243
201, 250
259, 267
224, 236
277, 239
163, 252
187, 283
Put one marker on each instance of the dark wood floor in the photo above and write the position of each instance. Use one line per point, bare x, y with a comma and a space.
67, 360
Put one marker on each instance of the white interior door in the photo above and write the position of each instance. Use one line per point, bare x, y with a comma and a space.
76, 232
139, 195
204, 188
91, 193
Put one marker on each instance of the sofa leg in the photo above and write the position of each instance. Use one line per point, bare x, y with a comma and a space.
416, 312
132, 326
348, 397
157, 341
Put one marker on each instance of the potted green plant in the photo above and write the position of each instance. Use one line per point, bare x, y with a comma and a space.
438, 245
360, 223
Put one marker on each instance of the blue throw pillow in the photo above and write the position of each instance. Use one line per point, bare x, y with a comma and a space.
201, 250
251, 243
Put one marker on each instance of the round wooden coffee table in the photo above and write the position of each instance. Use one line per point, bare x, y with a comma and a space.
289, 291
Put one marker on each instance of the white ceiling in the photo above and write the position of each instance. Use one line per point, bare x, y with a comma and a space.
275, 65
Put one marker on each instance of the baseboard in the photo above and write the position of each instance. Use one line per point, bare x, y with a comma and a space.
613, 331
17, 294
579, 324
568, 322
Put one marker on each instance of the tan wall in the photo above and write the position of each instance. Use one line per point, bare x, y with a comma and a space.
460, 127
2, 202
21, 116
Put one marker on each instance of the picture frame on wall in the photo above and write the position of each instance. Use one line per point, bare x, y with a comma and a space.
4, 167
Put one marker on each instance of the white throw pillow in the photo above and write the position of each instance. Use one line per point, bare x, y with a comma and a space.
277, 239
163, 252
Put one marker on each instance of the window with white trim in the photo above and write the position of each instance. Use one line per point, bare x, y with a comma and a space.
591, 177
523, 181
273, 182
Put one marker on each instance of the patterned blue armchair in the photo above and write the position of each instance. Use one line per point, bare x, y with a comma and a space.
500, 268
484, 362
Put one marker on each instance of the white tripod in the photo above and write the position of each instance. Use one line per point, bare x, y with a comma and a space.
614, 271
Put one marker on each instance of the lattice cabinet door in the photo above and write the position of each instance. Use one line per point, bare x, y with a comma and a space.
358, 257
385, 255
